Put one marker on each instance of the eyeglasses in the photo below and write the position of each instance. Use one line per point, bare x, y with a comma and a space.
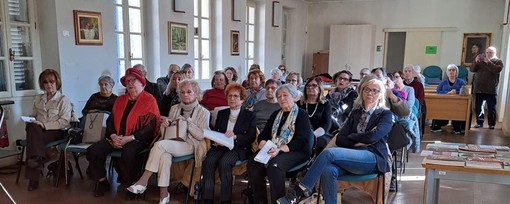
343, 79
372, 91
186, 92
312, 86
130, 81
233, 96
51, 81
453, 70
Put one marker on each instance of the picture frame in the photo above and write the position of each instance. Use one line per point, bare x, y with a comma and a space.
234, 42
177, 38
277, 12
474, 44
178, 6
88, 28
236, 10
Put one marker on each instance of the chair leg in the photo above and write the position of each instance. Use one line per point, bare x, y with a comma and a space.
20, 163
59, 170
190, 181
77, 164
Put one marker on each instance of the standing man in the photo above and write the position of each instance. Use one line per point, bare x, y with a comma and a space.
150, 87
487, 68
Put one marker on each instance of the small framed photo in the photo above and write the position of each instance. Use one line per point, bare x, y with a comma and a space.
88, 28
474, 44
234, 42
177, 38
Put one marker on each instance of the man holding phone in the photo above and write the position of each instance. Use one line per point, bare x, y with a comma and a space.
487, 68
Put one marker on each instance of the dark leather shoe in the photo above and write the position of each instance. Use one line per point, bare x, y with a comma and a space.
130, 196
33, 185
35, 162
180, 189
101, 187
478, 126
491, 127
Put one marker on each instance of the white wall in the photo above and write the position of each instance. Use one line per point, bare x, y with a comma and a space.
462, 14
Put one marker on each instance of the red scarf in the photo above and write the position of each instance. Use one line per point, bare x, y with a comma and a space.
144, 110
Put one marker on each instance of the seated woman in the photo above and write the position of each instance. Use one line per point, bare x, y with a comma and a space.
170, 96
361, 142
318, 110
341, 98
130, 128
52, 112
215, 97
450, 86
277, 74
231, 74
160, 157
235, 122
283, 69
295, 79
256, 92
104, 99
289, 129
263, 109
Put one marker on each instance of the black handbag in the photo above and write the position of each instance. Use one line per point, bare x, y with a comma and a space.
397, 138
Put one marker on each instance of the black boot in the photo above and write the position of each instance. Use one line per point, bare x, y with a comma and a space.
101, 187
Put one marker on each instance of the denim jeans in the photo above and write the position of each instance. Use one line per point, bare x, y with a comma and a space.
334, 162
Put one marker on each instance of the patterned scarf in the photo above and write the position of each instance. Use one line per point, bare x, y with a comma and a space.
288, 128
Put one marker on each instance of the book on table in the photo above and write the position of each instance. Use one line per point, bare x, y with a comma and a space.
484, 165
444, 160
445, 147
477, 148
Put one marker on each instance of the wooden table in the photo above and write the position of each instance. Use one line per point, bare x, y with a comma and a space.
434, 173
448, 107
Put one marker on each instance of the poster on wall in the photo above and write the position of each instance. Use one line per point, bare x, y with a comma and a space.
177, 38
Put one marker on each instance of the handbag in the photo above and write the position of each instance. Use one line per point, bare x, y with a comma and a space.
397, 137
177, 130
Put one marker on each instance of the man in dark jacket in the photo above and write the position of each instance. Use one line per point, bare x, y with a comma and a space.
487, 68
151, 87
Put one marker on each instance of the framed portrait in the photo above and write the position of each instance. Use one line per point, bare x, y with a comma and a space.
234, 42
177, 38
473, 45
88, 28
236, 10
277, 12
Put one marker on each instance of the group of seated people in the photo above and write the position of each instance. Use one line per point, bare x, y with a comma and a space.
357, 119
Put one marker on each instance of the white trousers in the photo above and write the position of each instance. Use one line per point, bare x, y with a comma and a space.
160, 158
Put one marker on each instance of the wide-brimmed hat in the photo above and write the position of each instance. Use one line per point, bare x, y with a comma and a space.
133, 72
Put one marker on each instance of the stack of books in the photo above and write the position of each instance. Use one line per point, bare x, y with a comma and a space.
469, 156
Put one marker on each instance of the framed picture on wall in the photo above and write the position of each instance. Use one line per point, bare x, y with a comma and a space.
88, 28
177, 38
473, 45
234, 42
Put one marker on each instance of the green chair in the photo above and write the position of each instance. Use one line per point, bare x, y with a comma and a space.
433, 74
463, 73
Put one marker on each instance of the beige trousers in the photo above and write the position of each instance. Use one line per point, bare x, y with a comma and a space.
160, 158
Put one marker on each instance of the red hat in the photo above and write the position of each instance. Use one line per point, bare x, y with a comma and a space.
133, 72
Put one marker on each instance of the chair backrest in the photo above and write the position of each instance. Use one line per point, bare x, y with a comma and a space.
463, 73
433, 74
214, 115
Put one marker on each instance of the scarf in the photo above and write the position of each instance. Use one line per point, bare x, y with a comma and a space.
288, 128
252, 98
186, 110
143, 112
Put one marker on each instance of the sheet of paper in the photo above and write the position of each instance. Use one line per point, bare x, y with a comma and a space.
27, 119
263, 156
220, 138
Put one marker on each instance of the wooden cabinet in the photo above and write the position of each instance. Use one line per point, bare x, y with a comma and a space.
320, 63
352, 47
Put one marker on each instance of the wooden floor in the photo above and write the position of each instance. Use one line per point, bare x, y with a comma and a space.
410, 187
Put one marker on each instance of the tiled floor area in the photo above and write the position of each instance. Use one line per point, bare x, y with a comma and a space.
410, 187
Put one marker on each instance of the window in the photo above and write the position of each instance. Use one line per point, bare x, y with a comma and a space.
202, 39
17, 60
128, 33
250, 35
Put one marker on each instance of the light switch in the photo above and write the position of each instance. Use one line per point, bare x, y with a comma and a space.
65, 33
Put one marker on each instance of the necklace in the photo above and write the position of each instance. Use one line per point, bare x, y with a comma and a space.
316, 105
